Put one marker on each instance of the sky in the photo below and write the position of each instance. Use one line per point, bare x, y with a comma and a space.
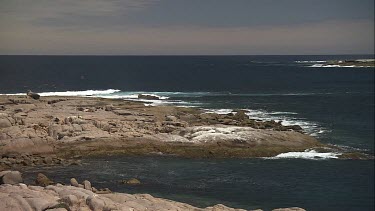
186, 27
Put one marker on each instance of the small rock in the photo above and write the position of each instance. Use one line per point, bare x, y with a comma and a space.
132, 181
43, 180
10, 177
74, 182
4, 123
48, 160
87, 185
171, 118
148, 97
33, 95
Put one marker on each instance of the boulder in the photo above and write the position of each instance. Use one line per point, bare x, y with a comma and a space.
43, 180
10, 177
4, 123
33, 95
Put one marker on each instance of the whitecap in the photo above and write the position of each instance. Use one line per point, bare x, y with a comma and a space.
308, 154
75, 93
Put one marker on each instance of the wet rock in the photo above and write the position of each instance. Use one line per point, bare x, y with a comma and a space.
240, 115
10, 177
148, 97
43, 180
33, 95
132, 181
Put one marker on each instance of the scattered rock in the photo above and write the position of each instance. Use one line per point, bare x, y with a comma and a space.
148, 97
74, 182
4, 123
87, 185
10, 177
43, 180
33, 95
132, 181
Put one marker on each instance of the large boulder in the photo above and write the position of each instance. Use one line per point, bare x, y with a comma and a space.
10, 177
33, 95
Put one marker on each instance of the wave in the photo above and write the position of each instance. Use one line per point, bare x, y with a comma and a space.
319, 61
308, 154
286, 118
75, 93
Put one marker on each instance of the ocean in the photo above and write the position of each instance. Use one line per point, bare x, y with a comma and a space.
334, 104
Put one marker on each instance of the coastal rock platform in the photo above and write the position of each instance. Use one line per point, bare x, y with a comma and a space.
74, 126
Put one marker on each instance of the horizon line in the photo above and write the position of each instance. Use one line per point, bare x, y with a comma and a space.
373, 54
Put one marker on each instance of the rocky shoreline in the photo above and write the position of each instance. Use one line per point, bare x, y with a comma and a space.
55, 130
60, 130
48, 195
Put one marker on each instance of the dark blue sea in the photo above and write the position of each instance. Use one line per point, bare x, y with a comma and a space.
334, 104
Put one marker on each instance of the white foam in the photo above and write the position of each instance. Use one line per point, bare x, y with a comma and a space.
309, 154
335, 65
75, 93
286, 118
219, 111
319, 61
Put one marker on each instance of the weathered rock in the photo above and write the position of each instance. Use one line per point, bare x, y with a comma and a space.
43, 180
87, 185
4, 123
95, 203
240, 115
10, 177
148, 97
132, 181
74, 182
71, 200
33, 95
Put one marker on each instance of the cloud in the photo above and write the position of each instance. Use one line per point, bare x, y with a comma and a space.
167, 27
314, 38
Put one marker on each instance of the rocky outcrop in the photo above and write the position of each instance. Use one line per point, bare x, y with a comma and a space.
65, 124
60, 197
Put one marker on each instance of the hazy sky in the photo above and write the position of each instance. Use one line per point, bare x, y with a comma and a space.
186, 27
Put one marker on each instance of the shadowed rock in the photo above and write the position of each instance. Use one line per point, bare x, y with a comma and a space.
33, 95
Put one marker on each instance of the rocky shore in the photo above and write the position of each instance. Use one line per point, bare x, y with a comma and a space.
55, 130
47, 195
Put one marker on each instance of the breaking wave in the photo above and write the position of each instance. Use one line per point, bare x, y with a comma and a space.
308, 154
